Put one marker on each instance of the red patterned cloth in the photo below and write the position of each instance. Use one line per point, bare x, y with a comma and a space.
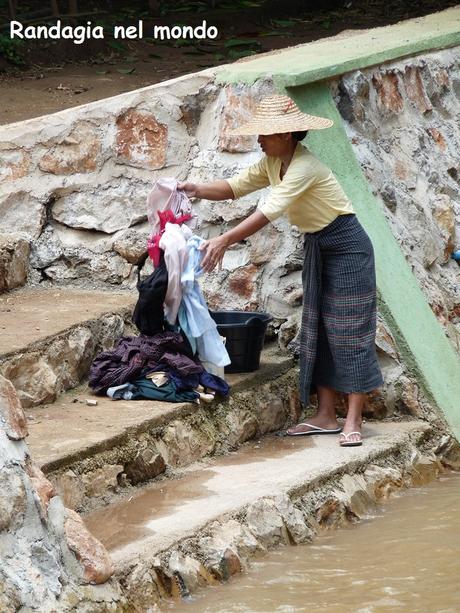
153, 243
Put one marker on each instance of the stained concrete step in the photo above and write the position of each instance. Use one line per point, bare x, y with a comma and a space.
173, 536
50, 336
90, 452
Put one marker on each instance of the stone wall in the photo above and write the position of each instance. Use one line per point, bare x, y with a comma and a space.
402, 119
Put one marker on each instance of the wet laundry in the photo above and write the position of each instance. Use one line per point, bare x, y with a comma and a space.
133, 354
145, 389
174, 244
177, 330
148, 314
194, 317
203, 379
165, 196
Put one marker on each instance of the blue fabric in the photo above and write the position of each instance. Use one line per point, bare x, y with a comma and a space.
206, 379
194, 317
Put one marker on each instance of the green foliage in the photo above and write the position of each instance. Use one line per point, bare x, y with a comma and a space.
241, 42
12, 49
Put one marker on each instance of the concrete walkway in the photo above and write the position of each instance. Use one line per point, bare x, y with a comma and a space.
170, 511
86, 430
30, 315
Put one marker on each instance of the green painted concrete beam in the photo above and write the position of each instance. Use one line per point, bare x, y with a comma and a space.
420, 338
337, 55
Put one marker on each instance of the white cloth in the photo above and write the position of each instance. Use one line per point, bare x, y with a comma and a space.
174, 244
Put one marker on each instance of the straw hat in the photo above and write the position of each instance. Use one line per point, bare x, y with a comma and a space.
279, 114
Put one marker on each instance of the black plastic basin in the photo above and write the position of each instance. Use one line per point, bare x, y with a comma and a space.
245, 333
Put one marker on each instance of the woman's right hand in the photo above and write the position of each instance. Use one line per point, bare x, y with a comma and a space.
191, 189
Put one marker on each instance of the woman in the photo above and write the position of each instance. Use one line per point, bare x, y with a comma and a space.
337, 337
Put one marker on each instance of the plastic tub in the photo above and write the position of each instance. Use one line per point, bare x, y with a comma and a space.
245, 334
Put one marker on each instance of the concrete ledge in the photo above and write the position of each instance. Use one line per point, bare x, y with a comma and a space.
348, 51
49, 337
210, 523
87, 455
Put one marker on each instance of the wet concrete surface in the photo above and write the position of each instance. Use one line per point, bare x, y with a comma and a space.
406, 557
132, 519
166, 511
29, 315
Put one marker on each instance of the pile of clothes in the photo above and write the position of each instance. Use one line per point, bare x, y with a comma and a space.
178, 335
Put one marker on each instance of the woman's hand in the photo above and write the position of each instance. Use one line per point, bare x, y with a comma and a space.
191, 189
215, 250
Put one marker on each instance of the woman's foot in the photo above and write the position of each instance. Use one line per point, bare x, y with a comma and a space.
352, 439
351, 434
315, 425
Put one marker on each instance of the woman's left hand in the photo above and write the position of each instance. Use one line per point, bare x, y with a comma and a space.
215, 250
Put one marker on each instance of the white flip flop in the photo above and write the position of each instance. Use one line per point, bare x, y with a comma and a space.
348, 443
314, 430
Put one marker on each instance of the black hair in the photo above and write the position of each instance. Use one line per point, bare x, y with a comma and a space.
298, 136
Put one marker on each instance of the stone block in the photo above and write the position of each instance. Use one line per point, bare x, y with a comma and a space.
12, 418
384, 340
240, 426
95, 561
188, 572
102, 480
288, 331
148, 464
14, 164
272, 415
332, 513
265, 245
444, 216
425, 468
355, 495
299, 530
21, 212
131, 244
243, 281
181, 445
14, 257
78, 152
114, 205
13, 500
141, 140
69, 487
237, 108
415, 89
44, 489
389, 97
265, 522
382, 482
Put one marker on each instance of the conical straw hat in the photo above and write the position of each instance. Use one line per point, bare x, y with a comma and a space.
279, 114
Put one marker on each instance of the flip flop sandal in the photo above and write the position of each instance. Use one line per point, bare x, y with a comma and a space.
314, 430
347, 443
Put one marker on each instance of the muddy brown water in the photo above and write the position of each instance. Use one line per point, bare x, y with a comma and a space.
406, 557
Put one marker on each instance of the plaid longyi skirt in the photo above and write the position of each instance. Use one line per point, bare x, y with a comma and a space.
337, 336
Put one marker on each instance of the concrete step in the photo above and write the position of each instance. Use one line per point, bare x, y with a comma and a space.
173, 536
50, 336
90, 452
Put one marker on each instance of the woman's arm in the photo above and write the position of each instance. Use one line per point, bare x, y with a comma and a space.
216, 247
216, 190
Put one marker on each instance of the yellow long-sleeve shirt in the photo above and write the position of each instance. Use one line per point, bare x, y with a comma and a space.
309, 193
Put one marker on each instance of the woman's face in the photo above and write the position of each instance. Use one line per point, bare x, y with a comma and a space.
275, 145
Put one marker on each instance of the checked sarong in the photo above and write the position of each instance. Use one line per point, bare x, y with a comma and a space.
337, 336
